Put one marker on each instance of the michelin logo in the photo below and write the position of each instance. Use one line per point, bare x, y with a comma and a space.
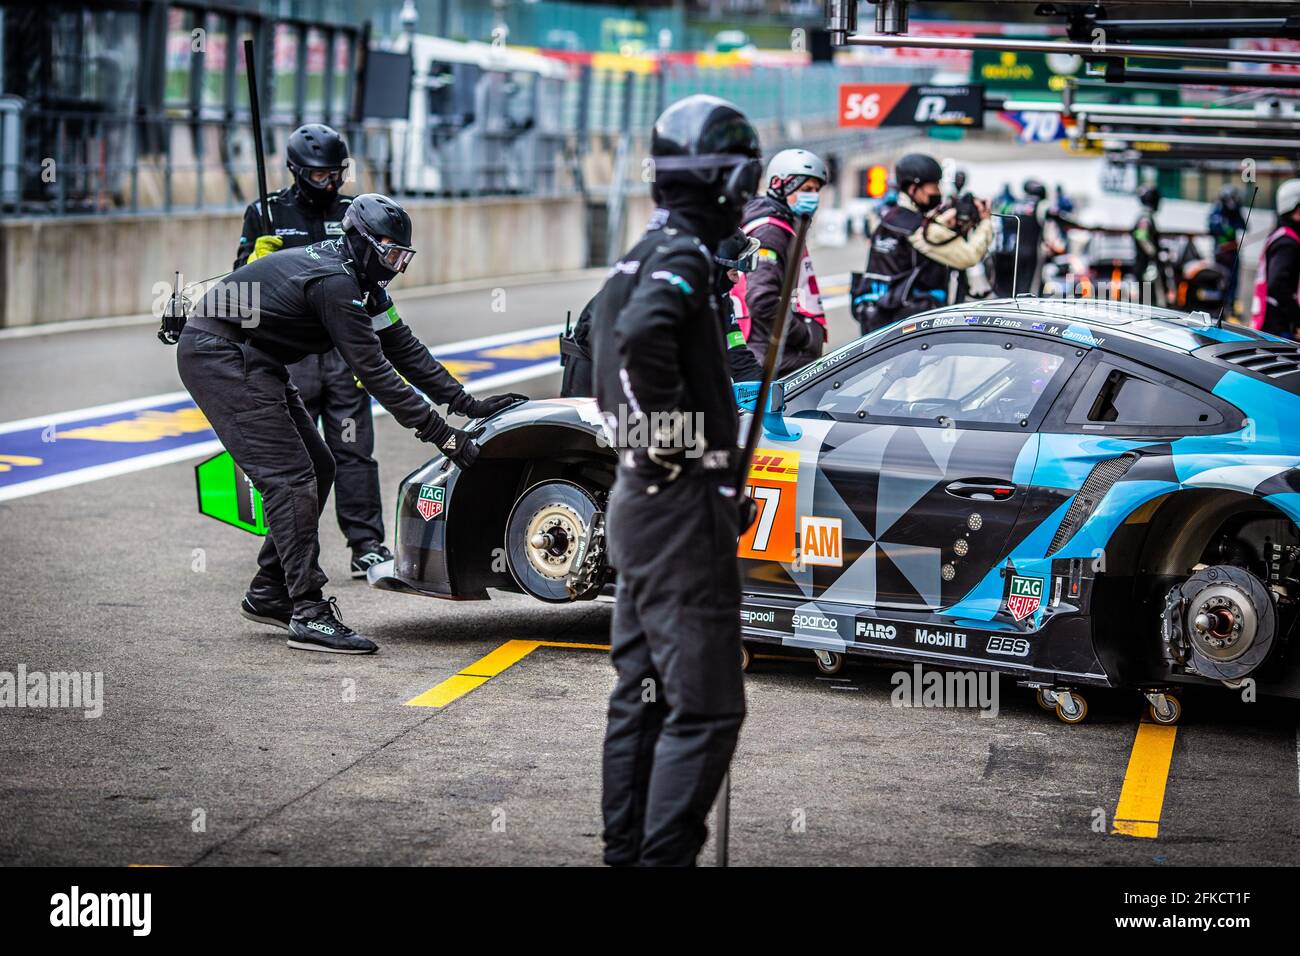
953, 639
875, 632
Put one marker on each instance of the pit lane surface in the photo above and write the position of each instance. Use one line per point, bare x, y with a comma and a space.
219, 745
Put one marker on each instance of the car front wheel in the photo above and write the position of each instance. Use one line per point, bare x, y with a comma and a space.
546, 536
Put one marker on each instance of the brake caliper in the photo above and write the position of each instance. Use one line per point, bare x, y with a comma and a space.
589, 572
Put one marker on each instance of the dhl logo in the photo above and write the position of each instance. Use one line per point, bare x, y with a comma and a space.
775, 465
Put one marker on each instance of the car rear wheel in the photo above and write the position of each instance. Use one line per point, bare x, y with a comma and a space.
546, 536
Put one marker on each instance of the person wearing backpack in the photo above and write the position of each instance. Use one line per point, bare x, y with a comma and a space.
916, 247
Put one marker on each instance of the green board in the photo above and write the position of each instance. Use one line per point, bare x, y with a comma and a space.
1007, 71
226, 494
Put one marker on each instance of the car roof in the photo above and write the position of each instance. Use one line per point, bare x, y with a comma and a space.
1106, 319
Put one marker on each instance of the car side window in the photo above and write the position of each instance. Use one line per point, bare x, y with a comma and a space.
997, 382
1115, 396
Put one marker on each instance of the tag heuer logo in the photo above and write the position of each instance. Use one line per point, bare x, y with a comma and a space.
429, 503
1025, 597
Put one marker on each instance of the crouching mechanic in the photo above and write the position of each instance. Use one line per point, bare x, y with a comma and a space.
310, 210
233, 357
913, 251
674, 515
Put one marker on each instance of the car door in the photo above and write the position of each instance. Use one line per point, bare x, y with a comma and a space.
910, 468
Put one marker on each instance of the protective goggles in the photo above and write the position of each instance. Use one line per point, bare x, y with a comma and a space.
324, 178
393, 256
746, 261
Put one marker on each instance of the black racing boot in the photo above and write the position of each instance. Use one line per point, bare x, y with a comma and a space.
320, 628
267, 607
366, 555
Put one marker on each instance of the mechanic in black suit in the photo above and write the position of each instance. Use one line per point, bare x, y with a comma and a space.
674, 513
233, 358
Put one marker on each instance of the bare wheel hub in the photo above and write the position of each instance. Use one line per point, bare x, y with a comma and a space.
553, 534
1224, 624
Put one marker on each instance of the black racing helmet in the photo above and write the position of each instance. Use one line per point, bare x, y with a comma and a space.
916, 169
1149, 196
317, 156
370, 220
1230, 198
1035, 188
704, 142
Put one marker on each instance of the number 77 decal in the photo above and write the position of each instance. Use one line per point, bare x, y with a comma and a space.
773, 479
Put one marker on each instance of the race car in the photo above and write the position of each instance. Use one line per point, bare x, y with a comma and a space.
1077, 493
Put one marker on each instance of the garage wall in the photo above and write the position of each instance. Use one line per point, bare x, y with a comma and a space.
54, 270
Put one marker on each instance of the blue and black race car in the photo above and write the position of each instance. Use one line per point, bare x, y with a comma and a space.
1076, 493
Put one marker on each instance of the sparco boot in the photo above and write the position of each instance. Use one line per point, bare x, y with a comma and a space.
320, 628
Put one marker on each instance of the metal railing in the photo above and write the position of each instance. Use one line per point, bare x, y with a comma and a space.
83, 162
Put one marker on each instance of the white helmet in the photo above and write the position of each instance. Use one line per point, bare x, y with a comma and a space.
1288, 196
788, 169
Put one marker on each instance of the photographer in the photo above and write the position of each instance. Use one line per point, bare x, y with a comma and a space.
917, 245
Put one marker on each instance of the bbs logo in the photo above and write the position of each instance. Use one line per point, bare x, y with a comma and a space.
1008, 646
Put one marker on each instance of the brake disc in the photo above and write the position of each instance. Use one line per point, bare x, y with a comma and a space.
1229, 622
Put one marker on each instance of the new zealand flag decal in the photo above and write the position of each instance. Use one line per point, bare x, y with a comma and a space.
430, 502
1025, 597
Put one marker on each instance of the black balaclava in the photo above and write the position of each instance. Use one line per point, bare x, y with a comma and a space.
711, 220
371, 270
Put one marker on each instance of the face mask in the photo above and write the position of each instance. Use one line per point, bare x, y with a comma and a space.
805, 204
928, 204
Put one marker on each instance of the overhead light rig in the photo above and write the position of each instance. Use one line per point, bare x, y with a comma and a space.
1088, 33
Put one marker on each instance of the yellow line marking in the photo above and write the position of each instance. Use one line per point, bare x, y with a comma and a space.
1143, 794
484, 669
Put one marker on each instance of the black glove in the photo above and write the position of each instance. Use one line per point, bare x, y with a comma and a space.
748, 512
457, 445
472, 407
